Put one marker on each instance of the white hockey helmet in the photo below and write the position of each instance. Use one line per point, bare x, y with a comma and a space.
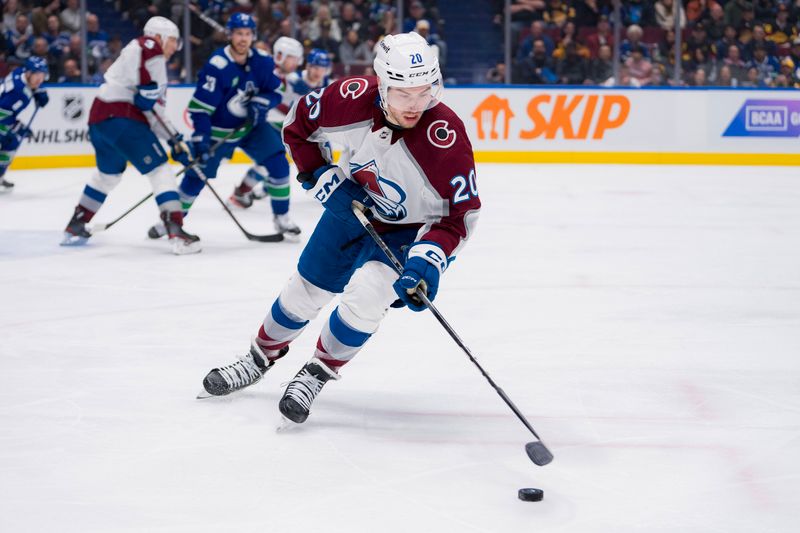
286, 46
164, 28
407, 60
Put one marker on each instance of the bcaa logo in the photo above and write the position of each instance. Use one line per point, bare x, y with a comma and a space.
577, 116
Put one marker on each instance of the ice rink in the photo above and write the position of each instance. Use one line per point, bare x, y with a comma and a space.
645, 319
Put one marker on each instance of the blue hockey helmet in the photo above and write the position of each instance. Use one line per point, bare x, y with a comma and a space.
37, 64
319, 58
241, 20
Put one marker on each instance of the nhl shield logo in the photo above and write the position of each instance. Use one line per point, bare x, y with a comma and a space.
73, 106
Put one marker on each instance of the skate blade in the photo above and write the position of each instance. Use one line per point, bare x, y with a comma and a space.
73, 240
180, 247
203, 394
236, 204
286, 425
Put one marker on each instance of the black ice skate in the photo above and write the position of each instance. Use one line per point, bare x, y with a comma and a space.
5, 186
182, 242
157, 231
76, 233
249, 369
296, 401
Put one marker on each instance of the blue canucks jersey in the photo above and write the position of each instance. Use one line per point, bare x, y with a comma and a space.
15, 95
225, 88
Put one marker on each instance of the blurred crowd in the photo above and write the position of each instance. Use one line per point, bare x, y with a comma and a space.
347, 30
726, 43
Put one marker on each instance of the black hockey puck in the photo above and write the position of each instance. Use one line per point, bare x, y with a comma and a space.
531, 495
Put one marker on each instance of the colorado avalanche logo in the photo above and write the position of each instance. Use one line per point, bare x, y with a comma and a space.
440, 135
353, 88
387, 195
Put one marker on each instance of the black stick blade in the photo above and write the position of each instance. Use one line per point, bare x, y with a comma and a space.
274, 237
538, 453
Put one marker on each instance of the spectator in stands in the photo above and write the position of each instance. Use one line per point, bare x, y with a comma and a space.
96, 38
752, 80
523, 12
788, 73
795, 52
537, 33
602, 67
71, 16
625, 79
10, 11
57, 40
573, 68
766, 65
764, 9
115, 47
665, 14
387, 26
634, 40
639, 66
354, 51
695, 9
734, 10
699, 78
538, 68
781, 30
666, 47
417, 12
604, 35
41, 10
735, 63
586, 14
637, 12
725, 78
722, 46
700, 60
497, 74
326, 41
714, 22
351, 20
698, 39
656, 76
759, 39
568, 36
557, 13
41, 49
72, 74
19, 40
323, 19
99, 77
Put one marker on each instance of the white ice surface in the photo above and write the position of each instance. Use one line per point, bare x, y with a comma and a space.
645, 319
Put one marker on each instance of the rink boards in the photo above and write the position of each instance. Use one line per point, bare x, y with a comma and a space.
525, 124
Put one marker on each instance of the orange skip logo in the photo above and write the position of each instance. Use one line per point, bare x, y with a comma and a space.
611, 111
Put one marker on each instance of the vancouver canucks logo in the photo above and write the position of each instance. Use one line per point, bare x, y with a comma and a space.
387, 195
238, 104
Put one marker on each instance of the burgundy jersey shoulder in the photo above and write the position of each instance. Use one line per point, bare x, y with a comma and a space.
440, 135
150, 47
349, 100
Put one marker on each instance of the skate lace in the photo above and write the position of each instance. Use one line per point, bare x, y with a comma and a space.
241, 373
304, 388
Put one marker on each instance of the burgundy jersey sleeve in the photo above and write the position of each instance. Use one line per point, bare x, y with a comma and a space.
344, 102
443, 152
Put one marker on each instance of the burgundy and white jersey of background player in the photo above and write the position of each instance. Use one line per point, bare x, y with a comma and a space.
423, 176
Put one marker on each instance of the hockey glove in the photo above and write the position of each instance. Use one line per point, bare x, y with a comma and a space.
180, 150
21, 131
425, 264
146, 96
201, 148
41, 98
336, 192
259, 107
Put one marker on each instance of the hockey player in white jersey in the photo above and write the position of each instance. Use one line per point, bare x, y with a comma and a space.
405, 156
122, 130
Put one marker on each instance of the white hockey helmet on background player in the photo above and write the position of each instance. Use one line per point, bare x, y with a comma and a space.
287, 47
164, 29
406, 60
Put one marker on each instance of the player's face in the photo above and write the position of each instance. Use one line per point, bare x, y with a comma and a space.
35, 79
405, 105
315, 74
241, 40
169, 47
290, 64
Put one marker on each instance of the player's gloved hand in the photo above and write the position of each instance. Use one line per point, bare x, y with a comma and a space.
336, 192
259, 106
40, 97
201, 148
22, 131
146, 96
425, 264
180, 150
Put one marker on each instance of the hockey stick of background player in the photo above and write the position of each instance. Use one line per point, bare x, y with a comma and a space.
102, 227
273, 237
194, 8
536, 450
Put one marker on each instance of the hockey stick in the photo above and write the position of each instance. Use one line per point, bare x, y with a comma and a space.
102, 227
273, 237
194, 8
536, 450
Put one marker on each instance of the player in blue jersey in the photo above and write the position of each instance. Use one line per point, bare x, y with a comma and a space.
235, 91
18, 89
260, 182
